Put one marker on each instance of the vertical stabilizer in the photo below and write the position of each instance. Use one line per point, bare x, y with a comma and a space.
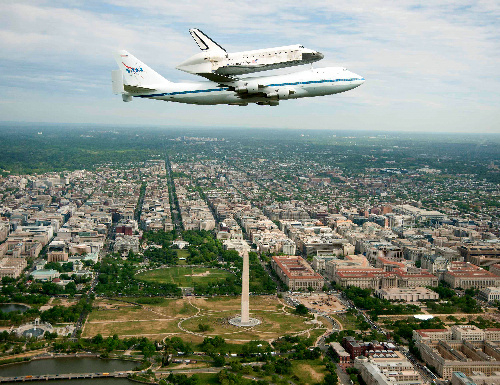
135, 72
205, 43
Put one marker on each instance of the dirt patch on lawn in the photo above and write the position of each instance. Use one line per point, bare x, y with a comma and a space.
317, 377
321, 302
234, 303
199, 274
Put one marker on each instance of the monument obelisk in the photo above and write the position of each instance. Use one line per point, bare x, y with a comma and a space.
245, 290
244, 319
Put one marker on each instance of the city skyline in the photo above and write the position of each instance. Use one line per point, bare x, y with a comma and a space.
427, 68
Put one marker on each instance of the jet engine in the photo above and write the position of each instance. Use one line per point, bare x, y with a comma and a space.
269, 103
280, 94
247, 88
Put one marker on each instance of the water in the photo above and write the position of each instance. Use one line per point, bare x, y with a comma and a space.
10, 307
33, 332
95, 381
66, 365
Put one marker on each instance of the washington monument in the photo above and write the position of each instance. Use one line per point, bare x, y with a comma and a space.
244, 319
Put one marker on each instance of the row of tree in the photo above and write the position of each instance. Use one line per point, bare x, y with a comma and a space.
117, 277
364, 299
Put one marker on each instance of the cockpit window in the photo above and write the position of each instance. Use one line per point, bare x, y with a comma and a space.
301, 46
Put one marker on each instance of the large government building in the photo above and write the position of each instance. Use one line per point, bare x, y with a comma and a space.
466, 275
296, 273
462, 348
378, 278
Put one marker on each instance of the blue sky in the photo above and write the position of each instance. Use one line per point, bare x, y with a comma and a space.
429, 66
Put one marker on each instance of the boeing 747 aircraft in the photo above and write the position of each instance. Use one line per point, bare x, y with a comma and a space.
136, 79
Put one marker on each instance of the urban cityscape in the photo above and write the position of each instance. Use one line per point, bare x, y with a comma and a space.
248, 256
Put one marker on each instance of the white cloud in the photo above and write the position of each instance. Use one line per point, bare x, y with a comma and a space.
432, 61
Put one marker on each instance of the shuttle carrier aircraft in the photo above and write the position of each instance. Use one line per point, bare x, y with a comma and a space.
136, 79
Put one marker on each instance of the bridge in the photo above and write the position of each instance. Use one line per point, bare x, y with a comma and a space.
65, 376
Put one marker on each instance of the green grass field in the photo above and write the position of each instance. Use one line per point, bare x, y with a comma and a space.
348, 321
182, 316
184, 276
182, 254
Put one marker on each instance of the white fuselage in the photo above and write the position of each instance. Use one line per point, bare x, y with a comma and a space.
261, 90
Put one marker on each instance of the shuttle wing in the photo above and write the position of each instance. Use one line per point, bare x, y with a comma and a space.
223, 79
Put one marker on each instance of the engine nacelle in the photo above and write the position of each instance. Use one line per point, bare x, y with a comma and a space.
280, 94
269, 103
253, 88
248, 88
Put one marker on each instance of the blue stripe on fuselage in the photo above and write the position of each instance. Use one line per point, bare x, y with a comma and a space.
268, 85
183, 92
314, 82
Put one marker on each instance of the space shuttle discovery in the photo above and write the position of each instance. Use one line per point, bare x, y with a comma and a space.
215, 64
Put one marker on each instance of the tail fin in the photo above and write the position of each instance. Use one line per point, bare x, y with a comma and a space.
204, 42
136, 73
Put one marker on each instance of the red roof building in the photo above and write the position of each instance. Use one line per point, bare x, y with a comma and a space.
296, 273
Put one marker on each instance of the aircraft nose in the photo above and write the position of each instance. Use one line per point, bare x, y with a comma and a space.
358, 79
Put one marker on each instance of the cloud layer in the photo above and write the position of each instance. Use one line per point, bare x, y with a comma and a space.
428, 67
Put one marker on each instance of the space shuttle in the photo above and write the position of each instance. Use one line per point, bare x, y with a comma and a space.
216, 64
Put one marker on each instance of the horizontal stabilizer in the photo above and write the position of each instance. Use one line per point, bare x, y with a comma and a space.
137, 89
117, 81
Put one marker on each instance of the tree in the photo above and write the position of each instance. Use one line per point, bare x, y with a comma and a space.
51, 288
147, 348
50, 336
301, 309
203, 327
97, 339
219, 361
330, 379
6, 280
70, 288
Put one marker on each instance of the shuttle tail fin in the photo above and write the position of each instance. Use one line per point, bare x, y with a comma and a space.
136, 73
204, 42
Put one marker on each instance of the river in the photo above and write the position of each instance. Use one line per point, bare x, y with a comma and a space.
70, 365
95, 381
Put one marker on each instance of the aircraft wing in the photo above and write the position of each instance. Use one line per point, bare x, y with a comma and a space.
136, 89
222, 79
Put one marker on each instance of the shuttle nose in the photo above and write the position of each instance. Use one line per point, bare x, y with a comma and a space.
312, 56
